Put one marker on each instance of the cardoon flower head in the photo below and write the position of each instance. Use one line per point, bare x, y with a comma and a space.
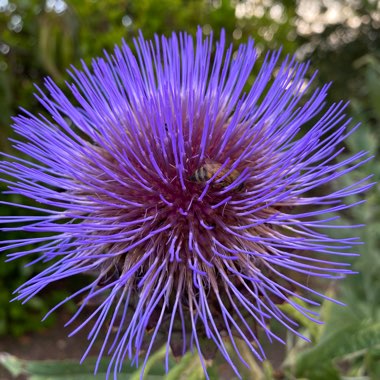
196, 202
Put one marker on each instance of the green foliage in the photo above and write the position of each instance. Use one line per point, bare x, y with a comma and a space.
69, 370
351, 341
15, 318
188, 368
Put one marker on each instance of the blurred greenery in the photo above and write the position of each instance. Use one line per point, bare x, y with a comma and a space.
72, 370
43, 38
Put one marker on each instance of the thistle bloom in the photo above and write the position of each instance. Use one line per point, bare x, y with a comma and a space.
197, 202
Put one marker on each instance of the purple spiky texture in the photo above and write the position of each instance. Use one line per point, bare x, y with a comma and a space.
197, 262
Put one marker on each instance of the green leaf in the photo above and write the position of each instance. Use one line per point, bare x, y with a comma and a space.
12, 364
72, 370
373, 363
373, 85
311, 326
351, 339
365, 140
187, 361
151, 363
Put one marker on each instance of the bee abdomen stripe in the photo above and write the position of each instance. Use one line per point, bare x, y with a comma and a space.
204, 176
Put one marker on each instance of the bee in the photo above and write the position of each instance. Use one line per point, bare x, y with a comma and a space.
208, 170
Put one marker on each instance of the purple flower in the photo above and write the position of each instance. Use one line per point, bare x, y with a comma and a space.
197, 202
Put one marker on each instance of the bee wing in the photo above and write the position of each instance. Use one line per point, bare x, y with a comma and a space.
208, 161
